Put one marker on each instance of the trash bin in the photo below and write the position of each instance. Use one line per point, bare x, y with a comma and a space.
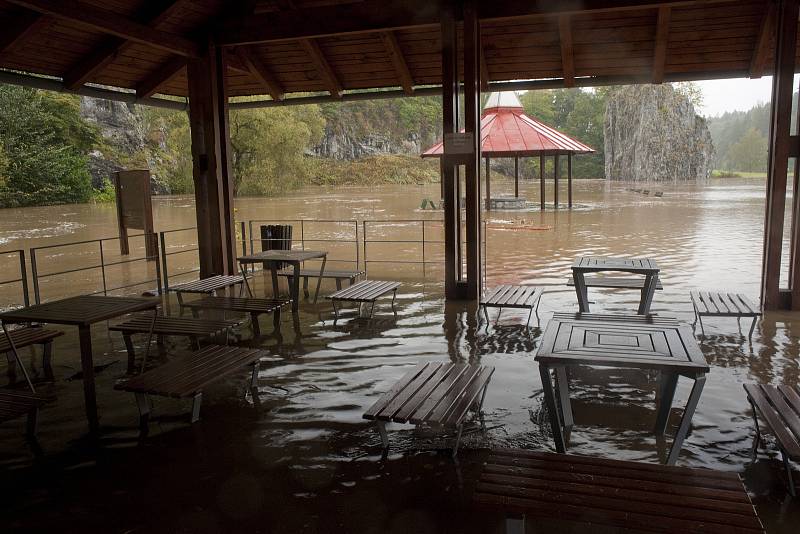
276, 237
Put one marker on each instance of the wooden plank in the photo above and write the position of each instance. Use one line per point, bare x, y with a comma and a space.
416, 400
756, 393
18, 29
662, 37
567, 52
454, 393
395, 53
325, 71
468, 398
394, 390
261, 72
409, 390
148, 86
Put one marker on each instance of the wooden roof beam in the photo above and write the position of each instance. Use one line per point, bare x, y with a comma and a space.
660, 50
758, 63
156, 79
154, 14
399, 61
324, 69
111, 23
16, 29
567, 50
261, 72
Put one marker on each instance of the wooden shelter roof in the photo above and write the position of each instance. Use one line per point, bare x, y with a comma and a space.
281, 47
507, 131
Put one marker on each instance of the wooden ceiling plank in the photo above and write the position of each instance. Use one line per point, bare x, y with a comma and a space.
399, 62
567, 51
169, 69
758, 63
324, 69
155, 14
662, 39
16, 30
484, 72
261, 72
112, 23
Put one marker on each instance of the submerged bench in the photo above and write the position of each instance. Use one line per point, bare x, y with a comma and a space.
633, 496
509, 296
170, 326
208, 286
779, 407
188, 375
253, 306
25, 337
614, 282
436, 394
721, 304
339, 276
15, 404
362, 292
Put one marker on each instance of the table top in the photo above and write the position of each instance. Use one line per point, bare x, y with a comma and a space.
82, 310
633, 341
628, 265
288, 256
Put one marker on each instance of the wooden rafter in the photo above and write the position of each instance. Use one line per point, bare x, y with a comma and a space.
260, 71
156, 79
484, 72
399, 61
154, 14
763, 43
567, 51
323, 67
15, 31
111, 23
660, 50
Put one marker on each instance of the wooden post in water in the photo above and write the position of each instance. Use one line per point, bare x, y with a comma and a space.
556, 172
541, 181
516, 176
488, 187
569, 179
472, 165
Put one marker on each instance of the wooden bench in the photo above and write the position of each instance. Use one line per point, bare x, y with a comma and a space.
15, 404
339, 276
779, 407
436, 394
362, 292
188, 375
170, 326
25, 337
255, 307
208, 286
508, 296
625, 495
721, 304
614, 282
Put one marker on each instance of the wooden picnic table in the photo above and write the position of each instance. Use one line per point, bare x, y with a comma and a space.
82, 311
641, 266
273, 258
633, 342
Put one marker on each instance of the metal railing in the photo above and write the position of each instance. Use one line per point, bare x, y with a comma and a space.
309, 236
23, 274
37, 276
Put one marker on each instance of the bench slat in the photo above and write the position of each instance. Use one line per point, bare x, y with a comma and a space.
722, 304
508, 296
312, 273
208, 285
402, 397
15, 404
614, 282
178, 326
24, 337
238, 304
393, 391
774, 419
366, 290
454, 393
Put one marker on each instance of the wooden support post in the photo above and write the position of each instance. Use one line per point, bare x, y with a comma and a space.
779, 150
541, 181
213, 178
516, 176
569, 179
488, 186
472, 166
556, 172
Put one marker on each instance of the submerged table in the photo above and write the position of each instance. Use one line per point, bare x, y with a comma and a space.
82, 311
293, 258
643, 266
626, 341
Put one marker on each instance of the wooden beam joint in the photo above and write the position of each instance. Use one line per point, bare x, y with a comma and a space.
662, 37
567, 51
398, 60
322, 66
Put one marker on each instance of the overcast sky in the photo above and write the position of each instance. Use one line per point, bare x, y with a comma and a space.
739, 94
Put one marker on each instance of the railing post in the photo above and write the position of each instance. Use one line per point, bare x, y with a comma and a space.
158, 271
23, 271
423, 248
164, 269
302, 235
244, 238
364, 222
358, 254
35, 277
103, 267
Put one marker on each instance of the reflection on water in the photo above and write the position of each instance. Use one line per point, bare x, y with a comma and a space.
302, 459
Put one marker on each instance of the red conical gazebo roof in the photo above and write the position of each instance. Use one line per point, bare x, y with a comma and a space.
507, 131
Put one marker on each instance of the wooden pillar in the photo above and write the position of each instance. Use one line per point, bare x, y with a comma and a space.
472, 165
779, 151
450, 195
516, 176
211, 169
541, 181
488, 186
556, 173
569, 179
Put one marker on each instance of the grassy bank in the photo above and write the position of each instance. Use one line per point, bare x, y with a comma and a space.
385, 169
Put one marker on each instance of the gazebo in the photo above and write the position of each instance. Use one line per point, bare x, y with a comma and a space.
507, 132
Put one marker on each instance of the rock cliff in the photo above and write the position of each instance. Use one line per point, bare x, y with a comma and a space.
652, 133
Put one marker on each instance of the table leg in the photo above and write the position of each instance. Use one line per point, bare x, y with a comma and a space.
319, 280
550, 400
296, 287
686, 420
562, 388
667, 385
273, 268
650, 284
580, 290
87, 366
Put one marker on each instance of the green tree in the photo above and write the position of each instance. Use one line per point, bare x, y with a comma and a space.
749, 153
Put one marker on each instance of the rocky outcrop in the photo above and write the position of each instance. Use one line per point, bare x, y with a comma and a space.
652, 133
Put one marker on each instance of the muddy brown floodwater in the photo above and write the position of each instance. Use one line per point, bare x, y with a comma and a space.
302, 459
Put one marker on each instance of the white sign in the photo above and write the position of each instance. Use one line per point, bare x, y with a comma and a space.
459, 143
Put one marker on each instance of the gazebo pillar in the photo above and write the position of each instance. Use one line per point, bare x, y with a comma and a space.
488, 186
556, 172
211, 169
569, 179
541, 181
516, 176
